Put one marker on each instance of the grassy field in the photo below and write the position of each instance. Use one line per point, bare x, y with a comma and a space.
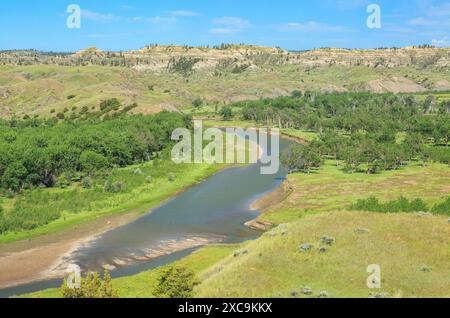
413, 262
331, 189
401, 244
39, 89
81, 205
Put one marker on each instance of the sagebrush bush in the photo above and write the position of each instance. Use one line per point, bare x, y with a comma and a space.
175, 282
442, 208
402, 204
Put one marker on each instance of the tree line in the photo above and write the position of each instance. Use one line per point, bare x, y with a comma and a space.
34, 152
377, 131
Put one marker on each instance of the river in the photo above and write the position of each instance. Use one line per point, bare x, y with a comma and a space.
212, 211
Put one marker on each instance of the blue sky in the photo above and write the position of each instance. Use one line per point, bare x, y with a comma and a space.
290, 24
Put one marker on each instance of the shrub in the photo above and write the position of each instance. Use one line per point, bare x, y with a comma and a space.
92, 286
226, 113
301, 159
442, 208
175, 282
86, 183
92, 162
402, 204
197, 103
110, 104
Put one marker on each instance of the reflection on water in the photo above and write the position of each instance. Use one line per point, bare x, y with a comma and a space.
213, 211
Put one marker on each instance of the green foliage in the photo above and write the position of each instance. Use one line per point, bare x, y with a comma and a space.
183, 65
226, 113
92, 286
297, 94
86, 183
301, 159
197, 103
93, 162
42, 154
12, 176
176, 282
110, 104
36, 153
361, 129
114, 187
402, 204
442, 208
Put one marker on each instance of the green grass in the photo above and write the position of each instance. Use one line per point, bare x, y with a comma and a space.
79, 205
401, 244
331, 189
37, 89
300, 134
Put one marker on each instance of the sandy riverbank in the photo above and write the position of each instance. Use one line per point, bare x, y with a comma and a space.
35, 259
264, 203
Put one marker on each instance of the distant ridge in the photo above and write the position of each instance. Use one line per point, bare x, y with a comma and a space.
159, 58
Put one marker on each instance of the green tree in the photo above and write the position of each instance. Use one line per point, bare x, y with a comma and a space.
176, 282
301, 159
92, 286
226, 113
197, 103
92, 162
14, 176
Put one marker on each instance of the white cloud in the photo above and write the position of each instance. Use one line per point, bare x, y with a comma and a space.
162, 20
311, 26
422, 22
223, 31
229, 25
444, 42
103, 36
184, 13
442, 10
233, 22
94, 16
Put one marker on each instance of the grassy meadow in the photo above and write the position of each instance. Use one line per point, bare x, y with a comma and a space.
46, 90
413, 262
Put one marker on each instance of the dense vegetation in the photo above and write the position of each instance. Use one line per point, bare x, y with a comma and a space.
376, 131
39, 154
402, 204
176, 282
91, 286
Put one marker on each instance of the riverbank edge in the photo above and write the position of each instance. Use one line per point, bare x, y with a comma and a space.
267, 201
262, 204
66, 240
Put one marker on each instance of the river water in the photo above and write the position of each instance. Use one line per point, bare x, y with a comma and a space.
213, 211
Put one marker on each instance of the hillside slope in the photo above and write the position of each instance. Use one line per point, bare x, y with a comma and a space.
170, 77
274, 265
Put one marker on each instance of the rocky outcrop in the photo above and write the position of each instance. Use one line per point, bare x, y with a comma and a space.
236, 58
